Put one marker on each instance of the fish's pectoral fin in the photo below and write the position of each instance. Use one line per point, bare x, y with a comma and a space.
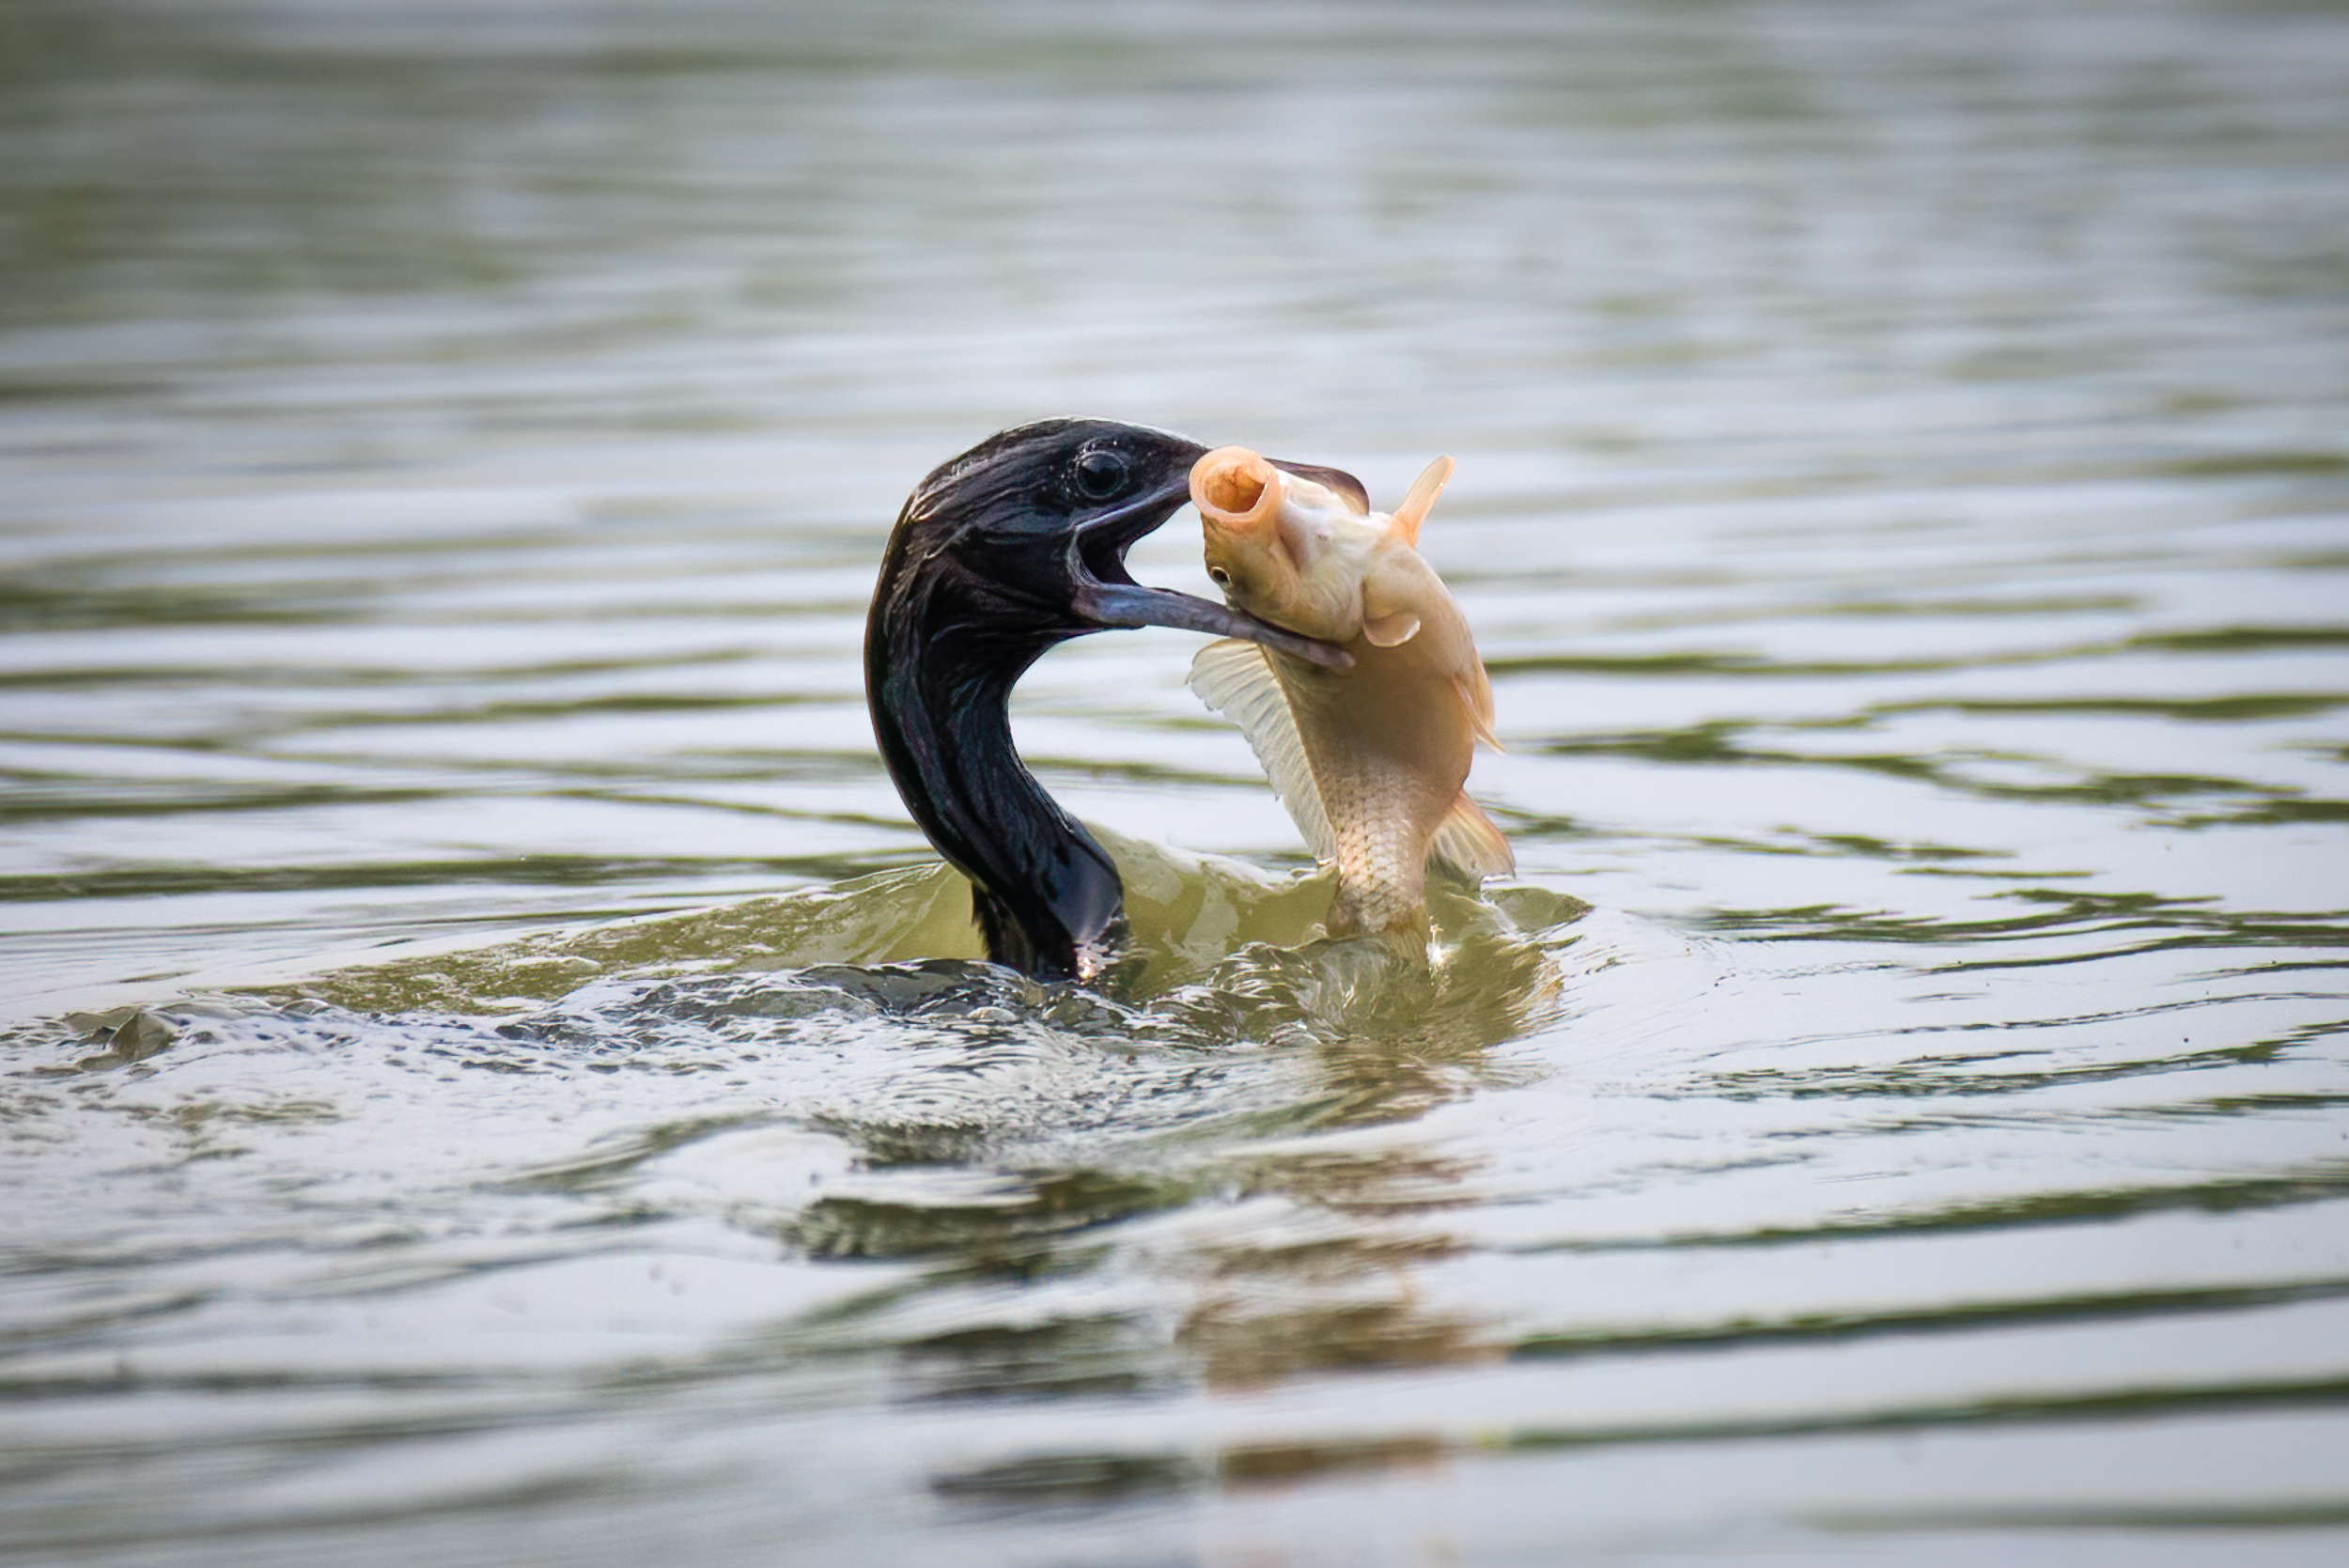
1237, 680
1470, 844
1421, 496
1400, 591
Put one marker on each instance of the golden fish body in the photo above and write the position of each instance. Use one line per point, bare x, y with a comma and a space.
1370, 760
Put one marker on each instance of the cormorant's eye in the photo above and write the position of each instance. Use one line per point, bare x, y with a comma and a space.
1100, 473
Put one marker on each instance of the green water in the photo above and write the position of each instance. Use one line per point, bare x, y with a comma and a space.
490, 1075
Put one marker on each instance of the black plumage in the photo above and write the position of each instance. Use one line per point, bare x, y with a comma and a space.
1014, 546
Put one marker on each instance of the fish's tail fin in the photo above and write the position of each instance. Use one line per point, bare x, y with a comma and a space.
1470, 844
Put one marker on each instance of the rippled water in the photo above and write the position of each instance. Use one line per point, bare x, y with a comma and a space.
490, 1074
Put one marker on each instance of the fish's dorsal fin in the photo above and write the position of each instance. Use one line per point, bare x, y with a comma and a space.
1422, 495
1236, 681
1470, 844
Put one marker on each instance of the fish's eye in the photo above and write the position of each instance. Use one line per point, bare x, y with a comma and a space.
1100, 473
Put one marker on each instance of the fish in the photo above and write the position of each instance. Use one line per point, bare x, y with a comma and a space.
1370, 759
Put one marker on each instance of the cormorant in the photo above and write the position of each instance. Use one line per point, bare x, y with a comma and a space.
1014, 546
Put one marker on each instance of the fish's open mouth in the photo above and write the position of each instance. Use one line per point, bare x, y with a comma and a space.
1232, 488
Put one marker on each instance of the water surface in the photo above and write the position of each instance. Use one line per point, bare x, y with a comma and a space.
491, 1075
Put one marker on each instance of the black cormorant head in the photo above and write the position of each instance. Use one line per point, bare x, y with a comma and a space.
1020, 543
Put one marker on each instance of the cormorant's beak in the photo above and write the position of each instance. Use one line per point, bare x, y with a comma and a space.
1354, 493
1107, 595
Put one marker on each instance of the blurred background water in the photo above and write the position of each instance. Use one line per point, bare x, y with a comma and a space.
444, 450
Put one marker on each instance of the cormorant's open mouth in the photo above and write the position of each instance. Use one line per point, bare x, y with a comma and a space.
1107, 595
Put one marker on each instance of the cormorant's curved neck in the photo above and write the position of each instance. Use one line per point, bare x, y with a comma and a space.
1014, 546
1047, 897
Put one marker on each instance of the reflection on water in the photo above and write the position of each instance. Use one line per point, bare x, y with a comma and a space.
490, 1073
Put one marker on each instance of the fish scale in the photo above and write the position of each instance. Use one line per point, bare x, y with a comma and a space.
1382, 879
